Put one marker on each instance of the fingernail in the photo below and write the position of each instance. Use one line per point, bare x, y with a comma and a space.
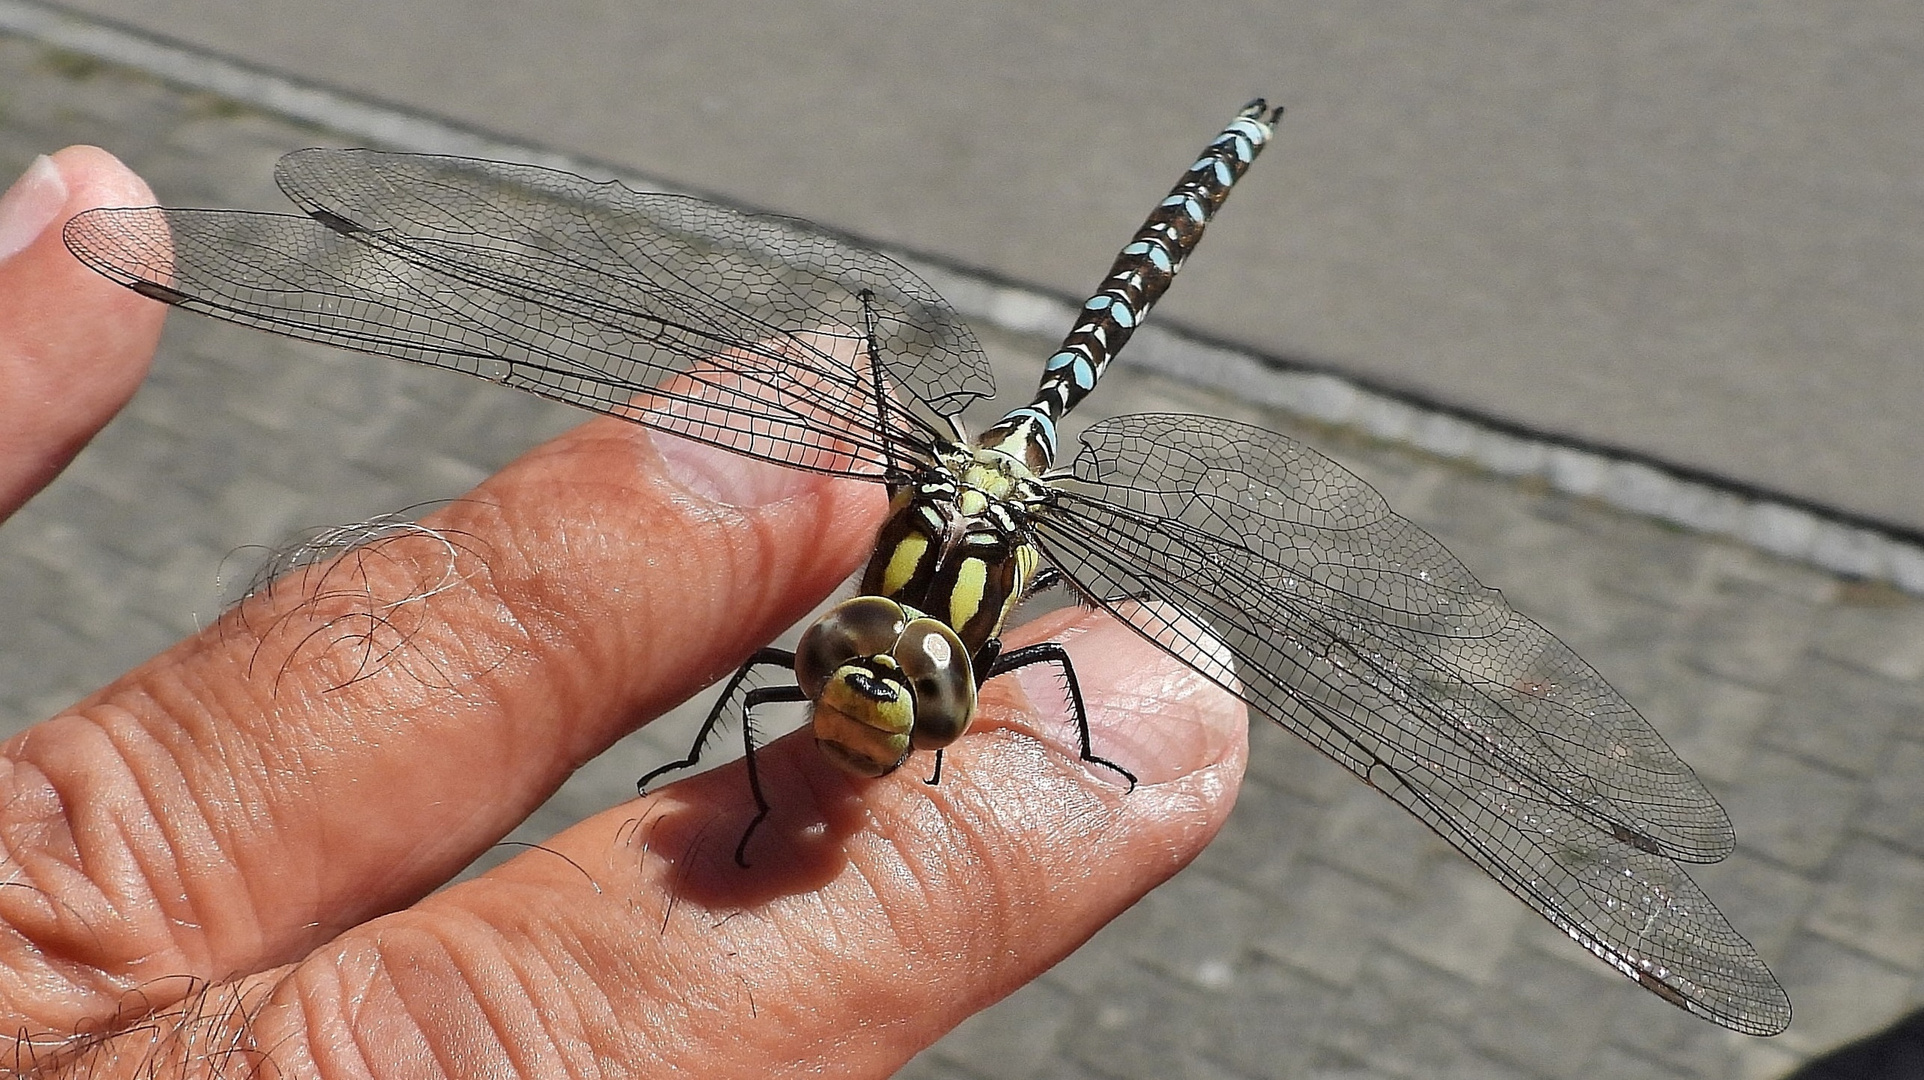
731, 479
30, 205
1148, 711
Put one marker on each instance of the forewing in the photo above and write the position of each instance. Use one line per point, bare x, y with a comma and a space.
587, 293
1358, 631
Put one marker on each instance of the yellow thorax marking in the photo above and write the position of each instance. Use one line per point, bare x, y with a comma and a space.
971, 583
903, 561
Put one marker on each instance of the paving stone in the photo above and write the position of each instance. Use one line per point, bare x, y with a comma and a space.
1327, 921
1020, 1038
1848, 995
1792, 810
1653, 564
1711, 723
1089, 971
1527, 1030
1879, 908
1895, 812
1407, 1020
1270, 1008
1461, 922
1369, 836
1841, 716
1262, 854
1681, 1042
1762, 1059
1883, 635
1620, 1063
1139, 1024
1197, 934
1764, 900
1751, 634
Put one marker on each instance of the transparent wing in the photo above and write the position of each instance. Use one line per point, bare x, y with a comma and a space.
588, 293
1358, 631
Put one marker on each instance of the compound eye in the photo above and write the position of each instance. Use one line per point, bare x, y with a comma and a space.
940, 678
862, 627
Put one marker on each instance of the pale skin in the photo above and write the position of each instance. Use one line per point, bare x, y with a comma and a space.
230, 823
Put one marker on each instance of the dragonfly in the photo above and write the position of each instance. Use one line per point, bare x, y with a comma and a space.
1269, 568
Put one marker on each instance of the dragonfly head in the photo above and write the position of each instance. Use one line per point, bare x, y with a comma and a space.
885, 680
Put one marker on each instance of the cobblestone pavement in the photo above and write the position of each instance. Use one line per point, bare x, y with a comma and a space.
1325, 933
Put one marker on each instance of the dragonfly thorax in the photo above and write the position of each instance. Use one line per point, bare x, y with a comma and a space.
956, 542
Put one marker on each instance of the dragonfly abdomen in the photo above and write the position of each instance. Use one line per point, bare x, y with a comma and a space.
1138, 278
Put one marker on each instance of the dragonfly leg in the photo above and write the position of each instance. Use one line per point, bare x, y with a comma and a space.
762, 658
1049, 578
985, 660
1050, 652
762, 695
936, 777
1045, 579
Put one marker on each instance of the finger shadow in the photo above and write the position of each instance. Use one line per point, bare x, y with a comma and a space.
695, 826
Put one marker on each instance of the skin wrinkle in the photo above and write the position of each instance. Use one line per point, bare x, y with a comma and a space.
606, 969
546, 992
911, 874
291, 755
191, 853
812, 979
568, 1033
29, 825
920, 951
485, 970
943, 824
993, 901
498, 991
101, 866
478, 969
434, 1023
811, 938
827, 934
317, 1002
285, 767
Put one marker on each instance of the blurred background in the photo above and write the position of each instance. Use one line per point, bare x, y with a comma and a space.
1620, 301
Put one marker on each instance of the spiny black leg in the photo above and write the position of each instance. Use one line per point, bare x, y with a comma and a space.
1045, 579
937, 777
1050, 652
1050, 578
762, 658
763, 695
984, 661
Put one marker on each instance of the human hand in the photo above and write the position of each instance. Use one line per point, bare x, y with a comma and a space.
226, 855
